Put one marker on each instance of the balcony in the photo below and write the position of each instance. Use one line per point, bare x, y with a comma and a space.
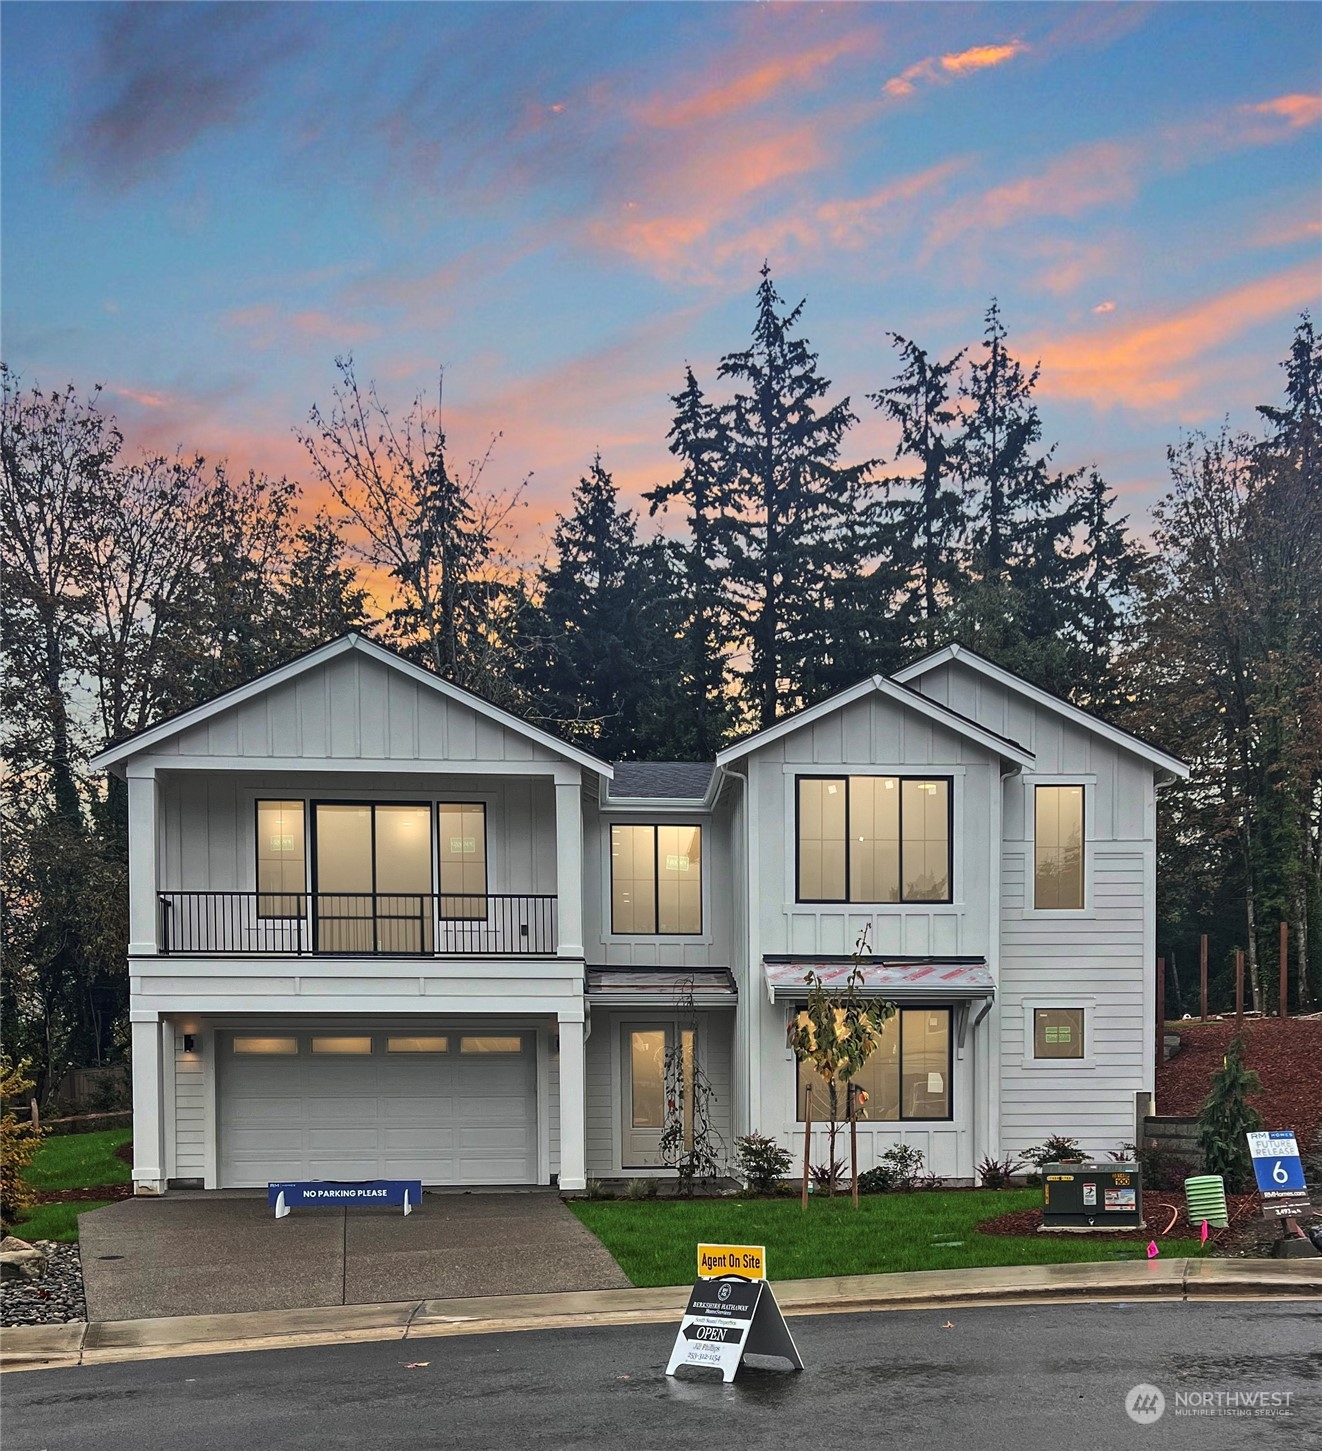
356, 924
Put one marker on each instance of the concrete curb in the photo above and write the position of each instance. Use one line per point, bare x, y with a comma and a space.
39, 1347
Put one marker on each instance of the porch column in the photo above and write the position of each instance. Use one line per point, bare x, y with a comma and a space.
573, 1114
569, 865
148, 1136
144, 908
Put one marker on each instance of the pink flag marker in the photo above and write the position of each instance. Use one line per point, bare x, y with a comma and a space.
1202, 1233
1153, 1251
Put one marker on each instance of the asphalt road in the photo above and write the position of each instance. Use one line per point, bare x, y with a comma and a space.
1023, 1378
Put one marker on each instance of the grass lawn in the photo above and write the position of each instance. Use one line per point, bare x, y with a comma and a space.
56, 1221
80, 1161
655, 1241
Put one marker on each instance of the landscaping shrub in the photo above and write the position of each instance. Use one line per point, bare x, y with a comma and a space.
997, 1173
761, 1162
1161, 1167
901, 1168
641, 1188
1227, 1116
18, 1143
1057, 1149
595, 1189
828, 1178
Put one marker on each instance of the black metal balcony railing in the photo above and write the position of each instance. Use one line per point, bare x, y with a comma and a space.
358, 924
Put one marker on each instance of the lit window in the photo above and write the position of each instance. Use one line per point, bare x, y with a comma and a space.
656, 880
1058, 848
463, 828
281, 859
873, 839
490, 1045
1057, 1032
341, 1045
417, 1045
906, 1076
265, 1045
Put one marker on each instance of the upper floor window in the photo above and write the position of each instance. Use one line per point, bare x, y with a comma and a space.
873, 839
656, 880
281, 859
1058, 848
463, 865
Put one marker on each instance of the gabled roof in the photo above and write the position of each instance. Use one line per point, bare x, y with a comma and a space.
1163, 760
661, 780
903, 696
144, 739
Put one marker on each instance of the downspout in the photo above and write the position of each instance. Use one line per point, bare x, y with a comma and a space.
991, 1047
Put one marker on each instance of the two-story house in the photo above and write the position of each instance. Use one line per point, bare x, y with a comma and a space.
380, 926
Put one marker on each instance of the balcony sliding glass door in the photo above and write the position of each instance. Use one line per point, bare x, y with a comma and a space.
372, 878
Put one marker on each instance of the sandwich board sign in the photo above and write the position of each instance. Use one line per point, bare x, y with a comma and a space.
1279, 1172
732, 1312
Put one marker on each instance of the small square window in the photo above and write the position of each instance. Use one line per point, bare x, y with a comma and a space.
1058, 1033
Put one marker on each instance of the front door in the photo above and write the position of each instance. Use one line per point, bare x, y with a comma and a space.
654, 1074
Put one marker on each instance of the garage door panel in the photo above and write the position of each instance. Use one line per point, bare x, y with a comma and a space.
440, 1118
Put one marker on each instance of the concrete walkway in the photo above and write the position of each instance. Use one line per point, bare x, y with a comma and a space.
206, 1254
38, 1346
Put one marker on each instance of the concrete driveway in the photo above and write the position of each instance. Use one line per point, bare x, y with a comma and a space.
201, 1254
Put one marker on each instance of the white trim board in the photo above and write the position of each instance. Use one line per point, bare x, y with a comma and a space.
901, 695
1117, 737
135, 745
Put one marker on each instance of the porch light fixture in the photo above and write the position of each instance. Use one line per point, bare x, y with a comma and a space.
190, 1043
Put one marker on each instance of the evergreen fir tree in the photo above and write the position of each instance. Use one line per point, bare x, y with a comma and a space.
1227, 1117
1022, 519
586, 658
1108, 562
924, 516
701, 718
783, 538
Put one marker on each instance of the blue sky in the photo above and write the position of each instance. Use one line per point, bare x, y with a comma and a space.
564, 204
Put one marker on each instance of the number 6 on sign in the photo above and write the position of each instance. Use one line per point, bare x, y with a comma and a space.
1280, 1173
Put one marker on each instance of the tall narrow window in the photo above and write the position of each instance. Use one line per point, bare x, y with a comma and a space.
656, 880
873, 839
281, 859
1058, 848
463, 828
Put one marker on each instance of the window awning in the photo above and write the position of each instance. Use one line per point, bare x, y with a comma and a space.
900, 979
661, 987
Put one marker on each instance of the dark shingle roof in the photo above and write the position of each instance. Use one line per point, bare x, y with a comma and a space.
652, 780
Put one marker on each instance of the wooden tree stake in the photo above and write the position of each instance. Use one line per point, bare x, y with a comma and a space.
1202, 977
807, 1139
1239, 989
853, 1138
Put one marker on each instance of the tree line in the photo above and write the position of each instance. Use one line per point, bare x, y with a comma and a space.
773, 568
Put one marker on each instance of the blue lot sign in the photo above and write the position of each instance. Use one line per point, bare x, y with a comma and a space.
380, 1192
1279, 1172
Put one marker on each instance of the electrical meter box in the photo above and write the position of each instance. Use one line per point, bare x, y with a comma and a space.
1092, 1196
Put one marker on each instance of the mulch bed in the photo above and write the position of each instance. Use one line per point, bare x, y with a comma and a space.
1285, 1053
1163, 1211
99, 1192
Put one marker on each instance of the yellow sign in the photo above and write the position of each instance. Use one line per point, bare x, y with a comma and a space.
748, 1260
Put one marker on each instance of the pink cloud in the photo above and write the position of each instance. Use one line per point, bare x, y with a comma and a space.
956, 63
1163, 362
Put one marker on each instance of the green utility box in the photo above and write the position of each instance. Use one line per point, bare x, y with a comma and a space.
1092, 1196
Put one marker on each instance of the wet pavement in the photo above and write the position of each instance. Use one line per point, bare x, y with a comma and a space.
203, 1254
1032, 1378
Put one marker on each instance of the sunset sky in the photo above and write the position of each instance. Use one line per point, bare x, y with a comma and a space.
562, 204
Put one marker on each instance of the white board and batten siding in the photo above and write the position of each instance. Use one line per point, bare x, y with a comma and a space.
875, 735
1099, 958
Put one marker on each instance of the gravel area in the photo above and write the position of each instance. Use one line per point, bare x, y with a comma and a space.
51, 1300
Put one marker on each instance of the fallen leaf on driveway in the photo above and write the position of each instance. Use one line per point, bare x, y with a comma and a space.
949, 1325
417, 1364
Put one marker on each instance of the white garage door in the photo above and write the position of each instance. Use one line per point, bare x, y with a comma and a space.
443, 1107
